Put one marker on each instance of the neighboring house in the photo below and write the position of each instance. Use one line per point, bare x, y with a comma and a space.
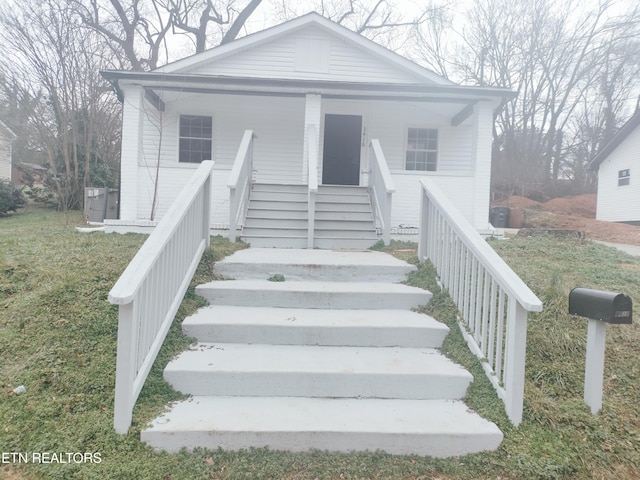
6, 137
305, 72
618, 166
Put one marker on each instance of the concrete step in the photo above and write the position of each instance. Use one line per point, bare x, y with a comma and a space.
434, 428
316, 371
262, 241
300, 326
314, 294
305, 264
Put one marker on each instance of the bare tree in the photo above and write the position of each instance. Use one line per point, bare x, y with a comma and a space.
558, 56
53, 62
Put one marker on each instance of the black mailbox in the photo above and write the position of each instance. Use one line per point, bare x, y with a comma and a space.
609, 307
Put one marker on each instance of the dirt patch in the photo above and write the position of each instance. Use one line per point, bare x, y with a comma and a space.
572, 213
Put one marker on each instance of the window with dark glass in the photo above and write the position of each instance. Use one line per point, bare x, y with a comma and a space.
195, 138
422, 149
624, 177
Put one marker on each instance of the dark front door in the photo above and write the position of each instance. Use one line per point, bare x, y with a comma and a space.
341, 154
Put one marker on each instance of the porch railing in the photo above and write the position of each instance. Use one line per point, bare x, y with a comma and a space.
493, 301
239, 183
312, 157
381, 188
153, 285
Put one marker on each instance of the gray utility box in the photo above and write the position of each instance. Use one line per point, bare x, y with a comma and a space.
610, 307
100, 204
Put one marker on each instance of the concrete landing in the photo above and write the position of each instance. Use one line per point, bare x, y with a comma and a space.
437, 428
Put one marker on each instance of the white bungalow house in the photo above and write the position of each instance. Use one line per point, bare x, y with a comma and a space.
618, 166
6, 137
311, 99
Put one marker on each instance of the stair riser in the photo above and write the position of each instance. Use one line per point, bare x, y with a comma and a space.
329, 336
347, 233
275, 242
346, 199
337, 273
275, 223
301, 299
404, 427
342, 190
254, 213
276, 231
356, 225
438, 446
262, 187
343, 207
260, 196
316, 384
344, 243
334, 216
276, 205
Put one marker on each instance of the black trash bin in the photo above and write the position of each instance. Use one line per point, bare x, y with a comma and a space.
499, 217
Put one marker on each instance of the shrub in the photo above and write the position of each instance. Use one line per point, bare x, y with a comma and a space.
11, 198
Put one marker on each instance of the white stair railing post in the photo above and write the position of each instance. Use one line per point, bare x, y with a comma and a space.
150, 290
239, 183
313, 141
382, 188
493, 302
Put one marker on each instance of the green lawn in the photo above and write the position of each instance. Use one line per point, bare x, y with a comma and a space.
58, 337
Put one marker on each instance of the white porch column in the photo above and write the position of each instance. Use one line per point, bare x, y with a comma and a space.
482, 142
132, 117
312, 116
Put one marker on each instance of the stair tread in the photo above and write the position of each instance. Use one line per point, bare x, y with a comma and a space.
312, 286
438, 428
314, 359
303, 317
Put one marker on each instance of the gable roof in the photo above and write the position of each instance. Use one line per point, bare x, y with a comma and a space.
310, 19
617, 139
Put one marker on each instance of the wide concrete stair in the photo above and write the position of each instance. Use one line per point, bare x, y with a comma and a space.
277, 216
333, 358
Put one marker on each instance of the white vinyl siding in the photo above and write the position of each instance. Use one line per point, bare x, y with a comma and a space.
620, 203
281, 58
5, 157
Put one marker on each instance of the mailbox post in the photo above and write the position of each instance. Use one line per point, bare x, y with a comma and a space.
600, 308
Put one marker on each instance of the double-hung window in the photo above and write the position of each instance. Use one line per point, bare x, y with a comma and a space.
196, 138
422, 149
624, 177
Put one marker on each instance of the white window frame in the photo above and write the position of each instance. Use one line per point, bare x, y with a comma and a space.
624, 177
180, 137
426, 150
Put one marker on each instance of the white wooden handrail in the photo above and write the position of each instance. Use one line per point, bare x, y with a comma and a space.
239, 183
153, 285
313, 141
493, 302
382, 188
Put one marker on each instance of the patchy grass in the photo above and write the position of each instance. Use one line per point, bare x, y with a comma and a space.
58, 337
